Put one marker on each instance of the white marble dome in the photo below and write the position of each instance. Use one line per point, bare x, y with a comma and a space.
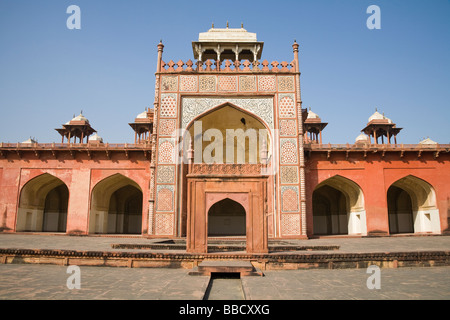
142, 115
362, 138
427, 141
312, 115
378, 116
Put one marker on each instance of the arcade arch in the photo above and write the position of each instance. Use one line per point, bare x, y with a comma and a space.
412, 206
43, 205
116, 206
338, 208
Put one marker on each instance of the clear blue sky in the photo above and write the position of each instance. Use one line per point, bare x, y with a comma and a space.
48, 73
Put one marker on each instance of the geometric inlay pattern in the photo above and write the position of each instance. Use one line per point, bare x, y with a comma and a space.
168, 105
193, 107
207, 84
166, 150
288, 151
247, 83
227, 83
169, 83
288, 127
188, 83
289, 199
166, 174
164, 224
290, 224
289, 174
167, 127
165, 198
285, 83
286, 106
266, 83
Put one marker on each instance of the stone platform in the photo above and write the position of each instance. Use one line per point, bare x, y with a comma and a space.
137, 251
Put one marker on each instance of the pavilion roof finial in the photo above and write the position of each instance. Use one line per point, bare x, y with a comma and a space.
228, 25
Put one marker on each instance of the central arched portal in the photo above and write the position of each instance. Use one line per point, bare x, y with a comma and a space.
225, 182
226, 218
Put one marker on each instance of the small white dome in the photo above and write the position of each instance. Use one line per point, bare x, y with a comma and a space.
80, 117
30, 141
142, 115
95, 137
427, 141
361, 138
312, 115
379, 116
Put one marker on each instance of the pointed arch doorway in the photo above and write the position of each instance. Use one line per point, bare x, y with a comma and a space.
238, 202
226, 218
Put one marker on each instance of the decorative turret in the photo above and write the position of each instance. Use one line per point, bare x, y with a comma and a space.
314, 126
381, 126
227, 43
78, 127
143, 126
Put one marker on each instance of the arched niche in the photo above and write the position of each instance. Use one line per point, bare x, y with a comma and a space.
116, 206
43, 205
412, 206
338, 208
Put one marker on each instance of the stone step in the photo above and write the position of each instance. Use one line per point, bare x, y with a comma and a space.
244, 268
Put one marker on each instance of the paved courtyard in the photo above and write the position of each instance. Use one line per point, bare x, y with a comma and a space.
48, 282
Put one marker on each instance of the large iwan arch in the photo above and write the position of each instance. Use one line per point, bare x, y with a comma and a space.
43, 205
338, 208
229, 134
412, 207
116, 206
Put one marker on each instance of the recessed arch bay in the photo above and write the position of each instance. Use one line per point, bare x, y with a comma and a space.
116, 206
192, 107
43, 205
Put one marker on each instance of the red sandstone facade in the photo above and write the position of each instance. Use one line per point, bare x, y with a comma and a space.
295, 187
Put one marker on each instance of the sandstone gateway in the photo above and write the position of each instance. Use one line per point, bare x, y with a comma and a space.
201, 169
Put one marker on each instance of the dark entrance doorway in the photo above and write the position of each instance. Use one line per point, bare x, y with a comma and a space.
226, 218
400, 211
